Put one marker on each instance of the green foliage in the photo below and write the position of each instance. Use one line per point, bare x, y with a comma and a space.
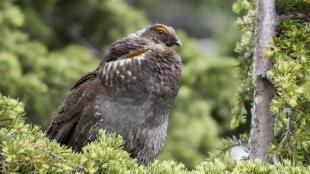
99, 22
299, 6
290, 76
244, 48
29, 71
24, 149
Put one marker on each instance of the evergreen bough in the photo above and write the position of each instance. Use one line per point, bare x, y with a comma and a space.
25, 149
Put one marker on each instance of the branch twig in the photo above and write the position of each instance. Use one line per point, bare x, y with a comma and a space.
288, 129
294, 16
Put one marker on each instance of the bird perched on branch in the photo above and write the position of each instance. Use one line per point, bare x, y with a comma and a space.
130, 93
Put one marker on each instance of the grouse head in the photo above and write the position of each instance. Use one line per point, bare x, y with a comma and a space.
162, 33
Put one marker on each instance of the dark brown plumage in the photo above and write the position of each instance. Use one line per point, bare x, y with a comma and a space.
130, 93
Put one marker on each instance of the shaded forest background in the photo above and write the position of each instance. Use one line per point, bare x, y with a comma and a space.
47, 45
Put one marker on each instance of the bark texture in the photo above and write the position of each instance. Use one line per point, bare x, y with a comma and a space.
261, 134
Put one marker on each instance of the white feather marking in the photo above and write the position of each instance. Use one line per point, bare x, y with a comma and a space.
106, 78
122, 62
97, 109
113, 65
130, 59
111, 78
138, 33
129, 73
104, 71
110, 66
97, 114
101, 70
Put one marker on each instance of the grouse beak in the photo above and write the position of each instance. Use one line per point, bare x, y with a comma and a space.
178, 42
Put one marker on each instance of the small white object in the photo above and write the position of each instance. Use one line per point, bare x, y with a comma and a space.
239, 152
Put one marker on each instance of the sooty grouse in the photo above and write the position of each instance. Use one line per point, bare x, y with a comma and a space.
130, 93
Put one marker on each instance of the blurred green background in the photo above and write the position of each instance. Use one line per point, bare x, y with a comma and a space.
46, 46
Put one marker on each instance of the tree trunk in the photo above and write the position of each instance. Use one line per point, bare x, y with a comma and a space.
261, 134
